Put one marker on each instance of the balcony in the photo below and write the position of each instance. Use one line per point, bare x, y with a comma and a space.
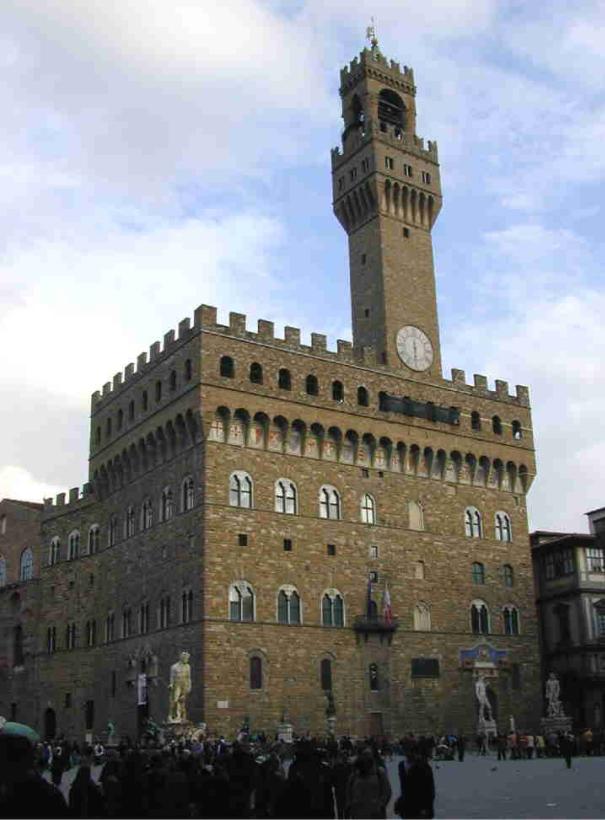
375, 625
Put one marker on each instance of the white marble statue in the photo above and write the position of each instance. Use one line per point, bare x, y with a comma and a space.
554, 707
179, 688
485, 707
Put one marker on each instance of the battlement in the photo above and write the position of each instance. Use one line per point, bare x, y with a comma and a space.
76, 498
373, 57
480, 388
390, 134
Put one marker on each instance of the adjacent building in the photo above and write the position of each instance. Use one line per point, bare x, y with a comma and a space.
321, 529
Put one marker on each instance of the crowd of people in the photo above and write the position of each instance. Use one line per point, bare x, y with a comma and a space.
253, 777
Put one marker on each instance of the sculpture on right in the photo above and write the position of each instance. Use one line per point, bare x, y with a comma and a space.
554, 707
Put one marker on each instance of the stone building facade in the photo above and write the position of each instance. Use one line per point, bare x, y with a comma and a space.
326, 532
569, 569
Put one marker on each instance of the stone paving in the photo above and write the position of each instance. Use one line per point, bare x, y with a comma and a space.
484, 787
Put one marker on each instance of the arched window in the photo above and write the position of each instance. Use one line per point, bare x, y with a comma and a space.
504, 530
51, 640
3, 570
147, 515
158, 390
472, 523
91, 633
94, 535
288, 606
241, 602
312, 385
112, 531
18, 654
130, 522
479, 618
144, 618
285, 496
419, 570
227, 368
120, 422
416, 515
368, 509
172, 381
422, 617
497, 425
166, 504
164, 612
240, 490
187, 496
284, 380
332, 608
26, 571
73, 546
329, 502
363, 398
54, 552
508, 575
98, 435
338, 391
373, 677
510, 616
110, 624
517, 430
186, 606
256, 373
391, 109
107, 427
475, 420
256, 672
2, 524
70, 636
188, 370
325, 675
131, 411
478, 573
126, 622
144, 400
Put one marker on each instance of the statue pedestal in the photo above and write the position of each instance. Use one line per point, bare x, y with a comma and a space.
285, 732
487, 727
177, 730
556, 724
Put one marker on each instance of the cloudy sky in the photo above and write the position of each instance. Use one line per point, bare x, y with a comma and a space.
155, 155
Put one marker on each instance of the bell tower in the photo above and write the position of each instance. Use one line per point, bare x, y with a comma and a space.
386, 195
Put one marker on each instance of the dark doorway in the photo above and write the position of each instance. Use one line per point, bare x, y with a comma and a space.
50, 724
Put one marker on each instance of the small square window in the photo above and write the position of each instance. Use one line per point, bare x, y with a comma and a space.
331, 549
242, 539
373, 551
366, 312
406, 233
373, 577
365, 472
288, 544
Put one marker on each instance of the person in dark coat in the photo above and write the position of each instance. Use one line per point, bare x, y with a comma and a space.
85, 797
566, 745
461, 746
418, 788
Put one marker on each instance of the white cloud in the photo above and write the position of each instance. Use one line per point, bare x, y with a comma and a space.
16, 482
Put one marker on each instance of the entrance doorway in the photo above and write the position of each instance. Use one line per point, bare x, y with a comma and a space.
50, 724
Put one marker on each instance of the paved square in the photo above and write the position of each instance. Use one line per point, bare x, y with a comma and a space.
484, 787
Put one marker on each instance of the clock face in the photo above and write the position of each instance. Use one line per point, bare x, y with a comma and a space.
414, 348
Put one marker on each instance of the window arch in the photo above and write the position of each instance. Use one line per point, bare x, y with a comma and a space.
508, 575
368, 509
419, 570
241, 602
130, 522
112, 530
18, 653
94, 535
144, 400
73, 545
338, 391
497, 425
510, 617
2, 571
131, 410
120, 421
26, 566
479, 618
188, 370
288, 606
70, 636
256, 373
285, 496
146, 515
54, 551
332, 608
51, 640
240, 490
363, 398
126, 622
416, 515
504, 530
166, 504
478, 572
284, 379
158, 390
256, 672
373, 677
311, 385
472, 523
517, 430
227, 368
91, 633
475, 420
325, 674
422, 617
186, 606
391, 108
187, 494
329, 502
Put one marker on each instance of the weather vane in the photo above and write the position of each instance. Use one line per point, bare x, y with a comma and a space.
371, 33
